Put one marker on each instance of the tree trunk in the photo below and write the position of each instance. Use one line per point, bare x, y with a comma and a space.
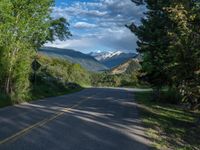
8, 85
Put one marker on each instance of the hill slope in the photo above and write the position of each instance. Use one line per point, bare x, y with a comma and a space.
88, 62
127, 67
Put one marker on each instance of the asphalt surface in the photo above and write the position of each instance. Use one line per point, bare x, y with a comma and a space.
92, 119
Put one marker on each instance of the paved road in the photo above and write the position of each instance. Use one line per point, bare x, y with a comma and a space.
93, 119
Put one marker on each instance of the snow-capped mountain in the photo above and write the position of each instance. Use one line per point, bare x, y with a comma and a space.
100, 56
87, 61
112, 59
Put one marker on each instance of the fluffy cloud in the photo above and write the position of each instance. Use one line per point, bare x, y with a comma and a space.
81, 25
99, 25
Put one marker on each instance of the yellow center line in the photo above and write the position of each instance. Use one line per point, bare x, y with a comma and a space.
39, 124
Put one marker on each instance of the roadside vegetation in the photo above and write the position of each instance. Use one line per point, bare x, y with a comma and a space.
168, 41
24, 27
55, 77
118, 80
169, 45
168, 126
62, 70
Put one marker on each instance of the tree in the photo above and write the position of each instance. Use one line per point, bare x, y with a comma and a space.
24, 26
153, 43
169, 43
185, 48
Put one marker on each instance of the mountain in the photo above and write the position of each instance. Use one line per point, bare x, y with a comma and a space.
87, 61
127, 67
105, 55
113, 59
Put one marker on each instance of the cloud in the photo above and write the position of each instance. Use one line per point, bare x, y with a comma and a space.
82, 25
106, 40
99, 25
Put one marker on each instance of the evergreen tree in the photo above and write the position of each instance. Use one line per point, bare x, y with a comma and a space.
153, 43
169, 43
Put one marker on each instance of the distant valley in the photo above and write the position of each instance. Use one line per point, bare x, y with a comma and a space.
87, 61
95, 61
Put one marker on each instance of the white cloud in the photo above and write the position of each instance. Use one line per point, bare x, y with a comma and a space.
81, 25
119, 39
100, 25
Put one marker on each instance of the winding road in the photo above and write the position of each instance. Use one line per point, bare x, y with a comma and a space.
92, 119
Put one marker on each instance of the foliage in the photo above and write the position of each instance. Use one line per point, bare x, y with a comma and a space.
24, 26
153, 43
117, 80
43, 88
63, 70
170, 57
55, 77
186, 60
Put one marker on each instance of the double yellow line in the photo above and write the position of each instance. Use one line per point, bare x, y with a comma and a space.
39, 124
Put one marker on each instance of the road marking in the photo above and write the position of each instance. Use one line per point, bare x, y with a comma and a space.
40, 124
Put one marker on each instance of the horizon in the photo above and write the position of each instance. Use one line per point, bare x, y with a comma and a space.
96, 51
98, 25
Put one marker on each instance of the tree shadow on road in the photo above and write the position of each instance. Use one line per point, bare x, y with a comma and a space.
107, 120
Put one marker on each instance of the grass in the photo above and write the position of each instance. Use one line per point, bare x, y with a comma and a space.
50, 89
42, 89
169, 126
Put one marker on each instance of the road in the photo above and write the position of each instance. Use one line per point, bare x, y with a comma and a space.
92, 119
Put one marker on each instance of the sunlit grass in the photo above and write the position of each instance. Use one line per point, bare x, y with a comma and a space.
169, 126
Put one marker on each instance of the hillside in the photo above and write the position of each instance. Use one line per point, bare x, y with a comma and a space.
57, 76
126, 67
63, 70
88, 62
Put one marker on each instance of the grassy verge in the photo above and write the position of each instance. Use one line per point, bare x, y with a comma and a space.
42, 90
50, 89
169, 126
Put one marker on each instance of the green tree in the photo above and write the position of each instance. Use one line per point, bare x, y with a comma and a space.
169, 43
185, 49
153, 43
24, 26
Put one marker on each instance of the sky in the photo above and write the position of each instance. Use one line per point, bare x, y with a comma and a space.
98, 25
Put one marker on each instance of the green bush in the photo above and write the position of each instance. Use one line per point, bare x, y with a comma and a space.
118, 80
63, 70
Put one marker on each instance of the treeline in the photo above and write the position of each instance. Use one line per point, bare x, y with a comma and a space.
124, 75
169, 42
65, 72
24, 27
107, 79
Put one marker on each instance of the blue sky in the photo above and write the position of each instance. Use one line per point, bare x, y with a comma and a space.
98, 25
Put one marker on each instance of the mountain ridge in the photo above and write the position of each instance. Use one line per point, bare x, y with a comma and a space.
113, 59
87, 61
